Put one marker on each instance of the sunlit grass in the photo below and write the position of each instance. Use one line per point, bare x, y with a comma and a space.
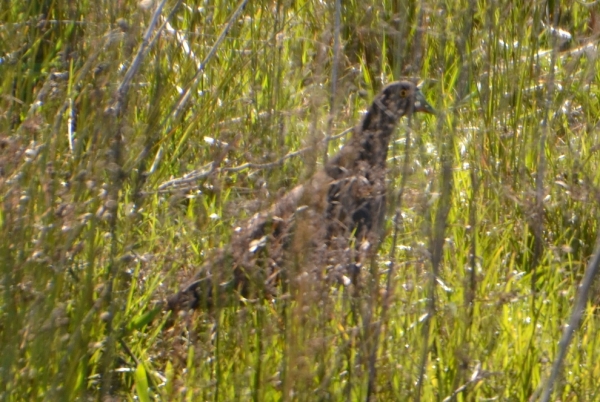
92, 244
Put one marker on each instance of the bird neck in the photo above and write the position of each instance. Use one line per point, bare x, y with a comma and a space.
374, 135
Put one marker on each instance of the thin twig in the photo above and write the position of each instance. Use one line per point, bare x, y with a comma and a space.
184, 43
471, 280
537, 220
185, 97
139, 57
209, 168
418, 47
477, 376
334, 74
114, 158
574, 322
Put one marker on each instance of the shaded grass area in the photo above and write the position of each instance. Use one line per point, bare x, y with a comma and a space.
93, 240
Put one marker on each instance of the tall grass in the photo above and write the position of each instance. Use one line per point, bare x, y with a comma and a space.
116, 187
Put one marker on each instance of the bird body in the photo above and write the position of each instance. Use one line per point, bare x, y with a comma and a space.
314, 224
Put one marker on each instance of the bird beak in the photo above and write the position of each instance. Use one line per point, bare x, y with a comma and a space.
421, 104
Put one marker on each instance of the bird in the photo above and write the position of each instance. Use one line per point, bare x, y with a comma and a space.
321, 229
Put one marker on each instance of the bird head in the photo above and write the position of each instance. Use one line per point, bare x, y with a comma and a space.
403, 98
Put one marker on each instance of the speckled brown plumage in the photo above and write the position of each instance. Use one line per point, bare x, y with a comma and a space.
308, 231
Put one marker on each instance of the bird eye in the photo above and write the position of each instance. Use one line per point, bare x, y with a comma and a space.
403, 93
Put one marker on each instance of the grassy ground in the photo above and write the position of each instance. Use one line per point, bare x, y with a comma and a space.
496, 197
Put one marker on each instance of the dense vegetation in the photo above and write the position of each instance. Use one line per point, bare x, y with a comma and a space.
134, 136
